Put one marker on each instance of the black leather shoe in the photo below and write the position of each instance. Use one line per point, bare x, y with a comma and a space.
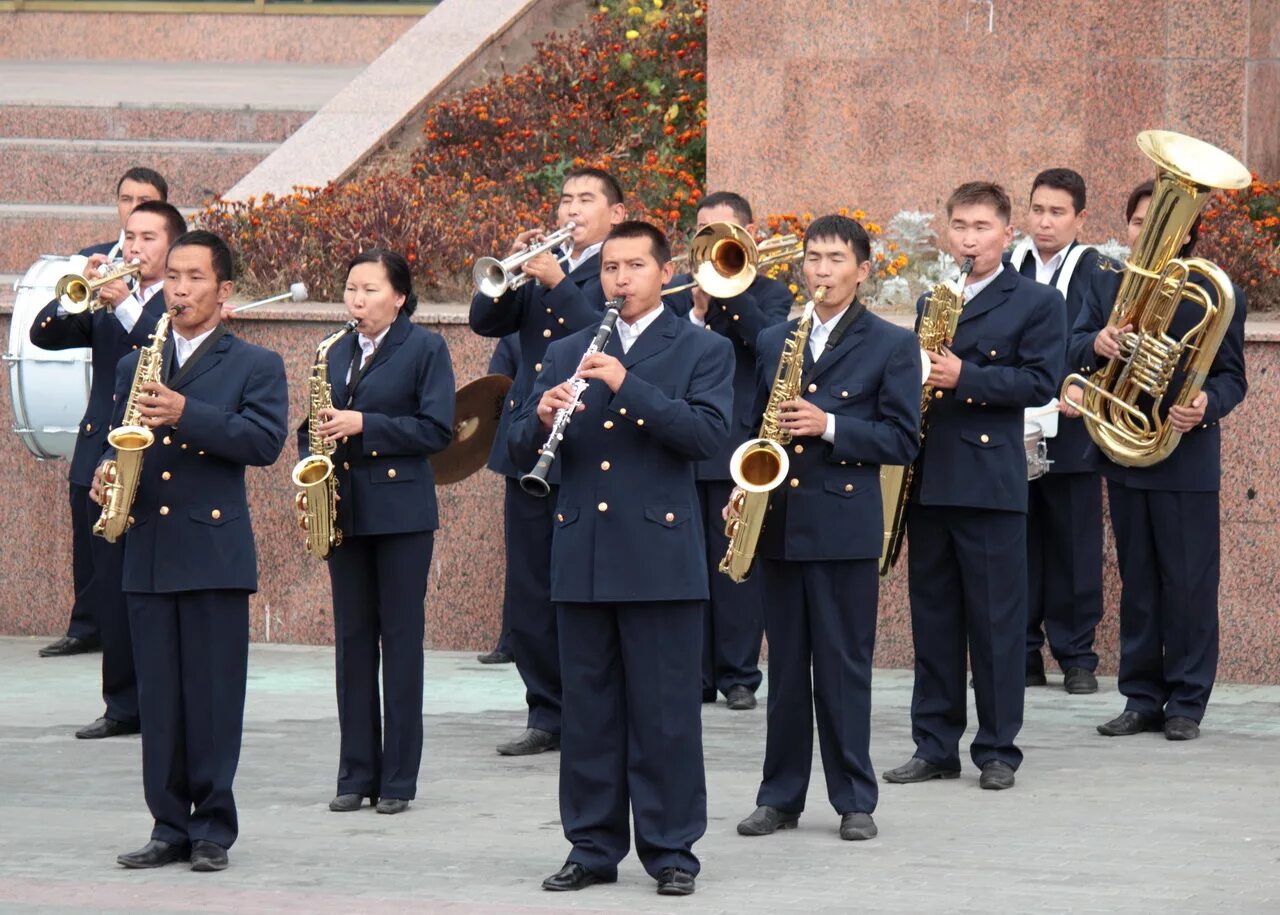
393, 805
207, 856
154, 854
1128, 723
765, 821
107, 727
345, 803
1079, 681
740, 698
855, 826
915, 770
708, 695
996, 776
1180, 728
495, 657
530, 742
1035, 670
68, 645
572, 877
674, 881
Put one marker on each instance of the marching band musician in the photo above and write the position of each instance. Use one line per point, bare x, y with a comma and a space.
189, 558
504, 361
733, 617
561, 301
137, 185
966, 520
820, 546
1165, 518
149, 231
392, 386
627, 570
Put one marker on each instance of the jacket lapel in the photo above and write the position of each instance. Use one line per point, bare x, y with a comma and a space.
994, 295
206, 362
339, 362
837, 352
587, 271
397, 333
655, 338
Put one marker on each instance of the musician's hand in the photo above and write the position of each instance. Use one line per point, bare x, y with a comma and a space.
607, 368
523, 240
1067, 405
553, 399
944, 370
228, 310
733, 496
160, 406
93, 266
701, 302
1107, 343
801, 418
546, 269
1184, 419
114, 293
97, 489
337, 424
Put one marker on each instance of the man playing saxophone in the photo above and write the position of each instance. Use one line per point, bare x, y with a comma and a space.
218, 405
858, 408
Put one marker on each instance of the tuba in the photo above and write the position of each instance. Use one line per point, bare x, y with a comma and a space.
938, 326
1123, 401
724, 259
130, 440
760, 464
317, 498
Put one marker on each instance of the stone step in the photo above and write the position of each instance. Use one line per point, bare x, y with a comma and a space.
27, 231
243, 124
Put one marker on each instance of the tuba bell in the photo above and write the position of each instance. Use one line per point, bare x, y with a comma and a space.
724, 259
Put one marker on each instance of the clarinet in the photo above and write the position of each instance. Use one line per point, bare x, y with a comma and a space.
535, 481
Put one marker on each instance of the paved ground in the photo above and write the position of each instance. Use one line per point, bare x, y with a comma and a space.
1094, 825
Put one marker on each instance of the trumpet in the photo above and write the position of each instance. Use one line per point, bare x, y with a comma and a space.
724, 259
495, 277
76, 294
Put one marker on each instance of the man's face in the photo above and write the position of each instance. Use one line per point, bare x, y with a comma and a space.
629, 269
976, 230
1053, 222
1137, 219
831, 262
583, 202
146, 238
720, 213
192, 290
131, 194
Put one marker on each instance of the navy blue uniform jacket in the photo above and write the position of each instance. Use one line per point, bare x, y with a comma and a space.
191, 530
741, 318
870, 382
506, 357
539, 315
1011, 339
406, 395
627, 525
104, 334
1196, 464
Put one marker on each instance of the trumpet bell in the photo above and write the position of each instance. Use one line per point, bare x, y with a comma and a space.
491, 277
759, 465
73, 293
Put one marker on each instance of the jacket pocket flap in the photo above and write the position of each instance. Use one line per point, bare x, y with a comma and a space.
214, 515
393, 473
994, 347
850, 391
842, 488
566, 516
981, 439
668, 515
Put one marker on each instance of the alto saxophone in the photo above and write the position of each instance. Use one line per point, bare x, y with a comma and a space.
317, 498
760, 464
130, 440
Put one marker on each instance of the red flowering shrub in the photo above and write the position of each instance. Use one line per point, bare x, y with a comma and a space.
1241, 234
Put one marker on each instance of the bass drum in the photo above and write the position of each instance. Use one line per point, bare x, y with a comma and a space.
49, 388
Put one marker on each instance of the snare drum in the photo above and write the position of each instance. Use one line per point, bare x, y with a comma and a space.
49, 388
1037, 448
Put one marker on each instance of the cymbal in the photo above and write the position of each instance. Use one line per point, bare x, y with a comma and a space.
475, 424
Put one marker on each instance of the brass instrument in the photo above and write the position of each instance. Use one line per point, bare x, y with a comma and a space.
317, 497
937, 329
77, 294
724, 259
495, 277
1123, 402
760, 464
130, 440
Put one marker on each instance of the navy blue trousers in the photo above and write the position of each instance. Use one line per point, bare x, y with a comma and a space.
105, 590
733, 619
1169, 551
379, 587
83, 623
632, 733
1064, 567
967, 578
820, 615
192, 653
531, 622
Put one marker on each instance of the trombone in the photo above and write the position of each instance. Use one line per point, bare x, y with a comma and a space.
495, 277
724, 259
76, 294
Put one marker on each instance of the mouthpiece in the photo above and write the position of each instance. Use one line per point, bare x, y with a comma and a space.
967, 267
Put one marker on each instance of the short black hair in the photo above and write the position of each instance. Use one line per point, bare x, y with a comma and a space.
219, 252
175, 226
1147, 189
612, 189
979, 192
145, 176
843, 228
1062, 179
736, 202
398, 273
636, 228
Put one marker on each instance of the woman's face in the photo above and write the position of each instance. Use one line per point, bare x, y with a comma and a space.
371, 299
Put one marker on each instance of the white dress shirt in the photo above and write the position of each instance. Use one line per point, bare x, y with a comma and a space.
629, 333
130, 309
1046, 269
576, 260
972, 289
818, 336
183, 348
368, 346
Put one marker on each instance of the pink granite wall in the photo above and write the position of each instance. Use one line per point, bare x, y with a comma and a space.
886, 106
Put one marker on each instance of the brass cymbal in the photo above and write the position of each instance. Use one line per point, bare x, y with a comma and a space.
475, 423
